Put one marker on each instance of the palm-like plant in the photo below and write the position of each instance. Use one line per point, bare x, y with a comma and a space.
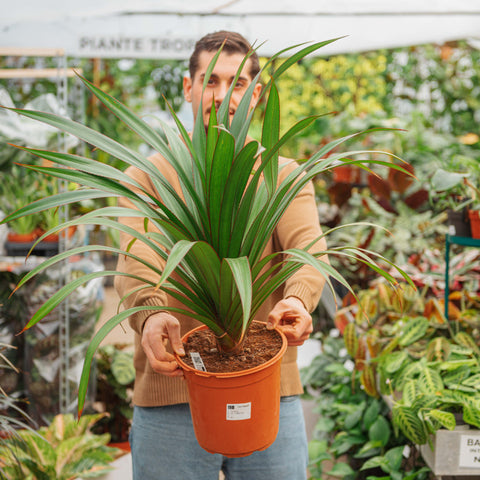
212, 238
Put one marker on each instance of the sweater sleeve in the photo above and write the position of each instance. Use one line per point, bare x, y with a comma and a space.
298, 227
129, 288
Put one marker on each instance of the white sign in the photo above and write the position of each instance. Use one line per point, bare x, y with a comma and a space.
134, 46
469, 451
239, 411
197, 361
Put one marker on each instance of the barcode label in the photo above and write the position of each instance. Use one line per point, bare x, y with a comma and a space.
197, 361
239, 411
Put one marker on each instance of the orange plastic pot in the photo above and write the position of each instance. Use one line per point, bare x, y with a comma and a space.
237, 413
475, 222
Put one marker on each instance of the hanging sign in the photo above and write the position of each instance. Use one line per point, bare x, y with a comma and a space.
134, 46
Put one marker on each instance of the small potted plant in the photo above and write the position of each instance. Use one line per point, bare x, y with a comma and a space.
210, 233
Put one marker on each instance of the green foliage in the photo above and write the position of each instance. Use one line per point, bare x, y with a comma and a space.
115, 377
353, 437
64, 450
17, 187
430, 367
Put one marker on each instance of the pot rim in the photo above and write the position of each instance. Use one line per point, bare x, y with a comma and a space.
277, 357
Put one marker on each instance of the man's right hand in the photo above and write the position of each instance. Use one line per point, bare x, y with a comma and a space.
157, 330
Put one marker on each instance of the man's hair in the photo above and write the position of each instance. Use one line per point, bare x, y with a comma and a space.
234, 43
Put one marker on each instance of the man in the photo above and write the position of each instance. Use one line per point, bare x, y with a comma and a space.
162, 437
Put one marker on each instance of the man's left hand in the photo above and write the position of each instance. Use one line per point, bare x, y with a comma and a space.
291, 316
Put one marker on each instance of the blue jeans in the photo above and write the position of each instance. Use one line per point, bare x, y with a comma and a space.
164, 447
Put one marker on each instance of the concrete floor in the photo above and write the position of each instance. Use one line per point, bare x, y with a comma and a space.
124, 334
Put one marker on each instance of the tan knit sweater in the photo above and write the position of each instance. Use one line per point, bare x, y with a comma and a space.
297, 228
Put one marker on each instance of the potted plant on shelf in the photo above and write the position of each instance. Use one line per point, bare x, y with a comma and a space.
211, 236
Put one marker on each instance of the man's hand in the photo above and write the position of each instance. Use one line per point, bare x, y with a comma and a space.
291, 316
158, 329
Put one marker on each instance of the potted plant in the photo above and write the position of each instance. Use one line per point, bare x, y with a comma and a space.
213, 246
17, 187
65, 450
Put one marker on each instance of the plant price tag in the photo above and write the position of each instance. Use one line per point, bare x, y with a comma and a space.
469, 451
197, 361
239, 411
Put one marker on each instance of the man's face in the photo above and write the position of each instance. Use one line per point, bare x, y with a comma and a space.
222, 77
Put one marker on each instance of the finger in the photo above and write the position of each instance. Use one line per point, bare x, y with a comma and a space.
166, 366
274, 318
297, 330
175, 339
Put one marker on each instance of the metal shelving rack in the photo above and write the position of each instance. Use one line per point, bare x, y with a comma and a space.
60, 75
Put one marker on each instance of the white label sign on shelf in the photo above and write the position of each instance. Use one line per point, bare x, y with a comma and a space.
239, 411
469, 451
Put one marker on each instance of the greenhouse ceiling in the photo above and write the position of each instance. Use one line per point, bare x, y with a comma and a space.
168, 28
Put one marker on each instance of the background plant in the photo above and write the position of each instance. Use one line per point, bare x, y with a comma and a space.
64, 450
115, 375
409, 351
353, 438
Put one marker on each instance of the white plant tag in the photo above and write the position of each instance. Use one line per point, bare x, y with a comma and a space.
197, 361
469, 451
239, 411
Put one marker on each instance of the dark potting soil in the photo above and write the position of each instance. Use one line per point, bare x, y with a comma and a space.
260, 345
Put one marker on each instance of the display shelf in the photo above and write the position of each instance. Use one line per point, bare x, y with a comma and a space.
60, 76
454, 240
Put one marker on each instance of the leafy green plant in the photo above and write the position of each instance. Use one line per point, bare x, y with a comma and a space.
212, 238
427, 365
353, 437
115, 376
12, 416
64, 450
17, 187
